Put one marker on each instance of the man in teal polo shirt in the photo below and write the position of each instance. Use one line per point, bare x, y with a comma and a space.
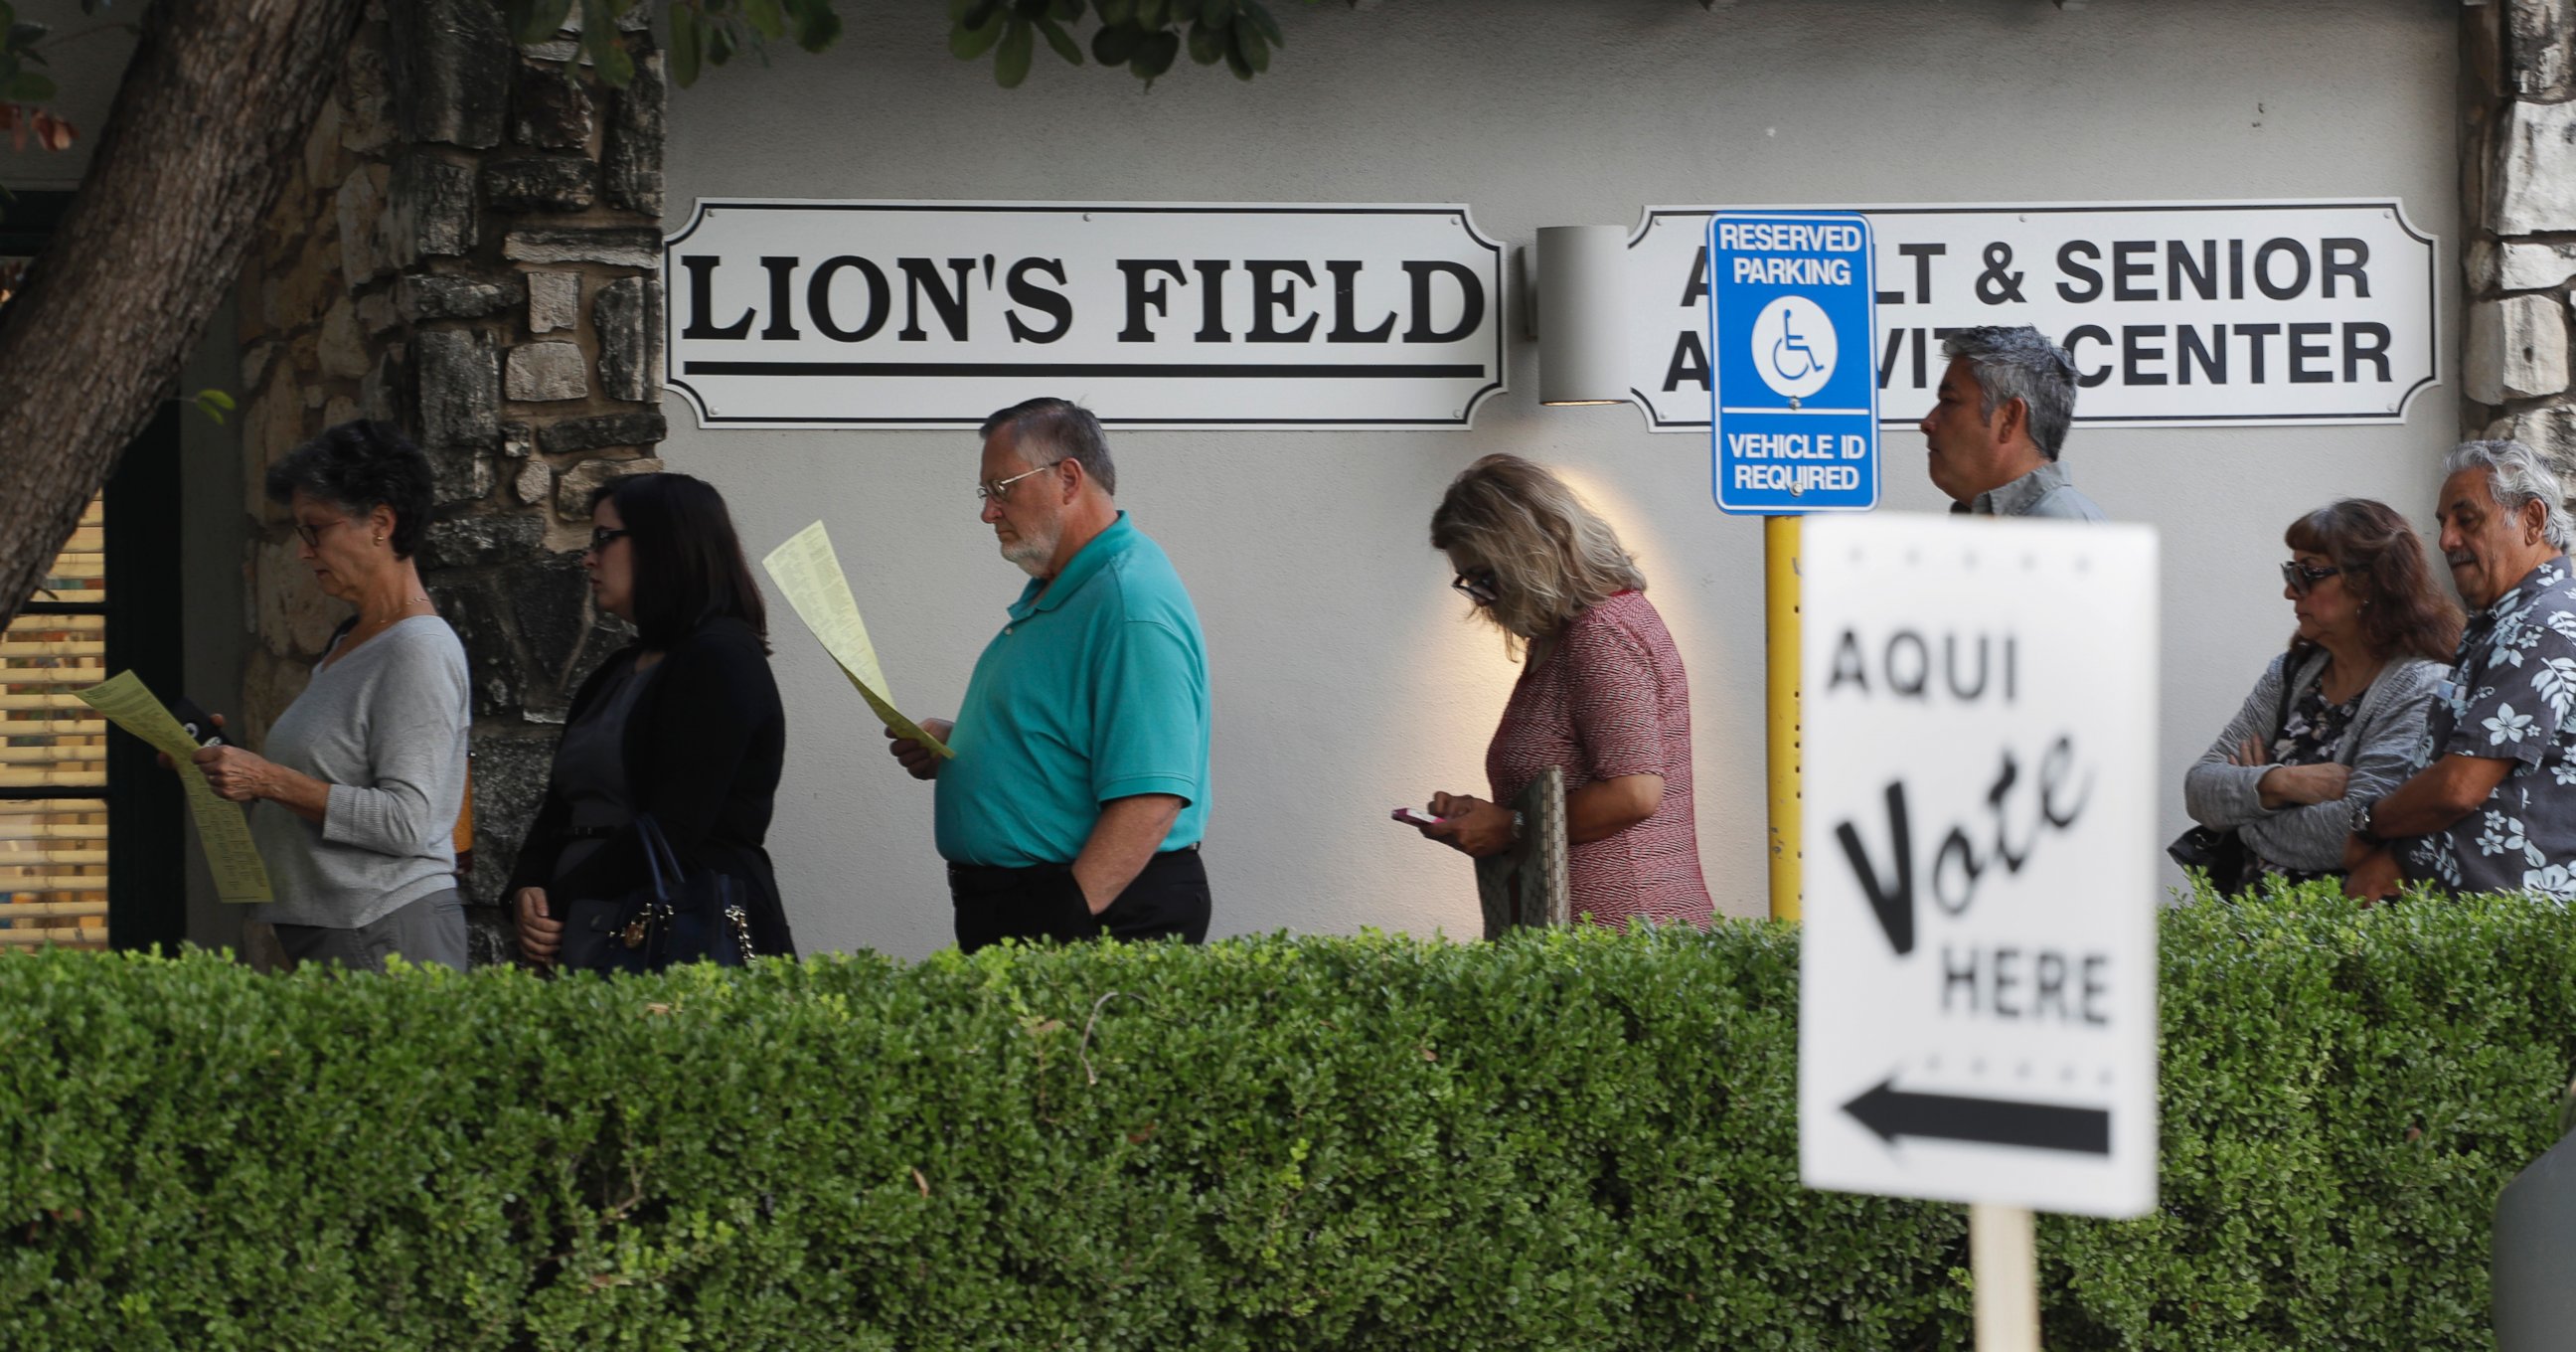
1075, 803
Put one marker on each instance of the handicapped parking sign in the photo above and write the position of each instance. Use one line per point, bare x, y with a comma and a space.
1795, 402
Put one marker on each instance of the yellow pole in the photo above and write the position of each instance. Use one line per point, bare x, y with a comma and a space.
1780, 629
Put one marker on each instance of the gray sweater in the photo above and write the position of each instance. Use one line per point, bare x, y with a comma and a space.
385, 728
2380, 747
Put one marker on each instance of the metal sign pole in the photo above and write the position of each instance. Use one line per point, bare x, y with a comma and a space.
2003, 1259
1781, 629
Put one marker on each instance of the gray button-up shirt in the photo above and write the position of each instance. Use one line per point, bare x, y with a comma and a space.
2045, 491
2513, 698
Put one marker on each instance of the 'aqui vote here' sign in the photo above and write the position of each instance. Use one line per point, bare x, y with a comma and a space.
1977, 1007
1795, 426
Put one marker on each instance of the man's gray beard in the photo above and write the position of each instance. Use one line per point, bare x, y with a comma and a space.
1031, 555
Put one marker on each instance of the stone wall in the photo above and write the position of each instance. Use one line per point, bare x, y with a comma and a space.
2518, 220
470, 249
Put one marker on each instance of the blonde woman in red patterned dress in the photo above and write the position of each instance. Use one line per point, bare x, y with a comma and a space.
1601, 694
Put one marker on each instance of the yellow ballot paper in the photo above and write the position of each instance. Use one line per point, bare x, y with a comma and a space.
807, 570
221, 829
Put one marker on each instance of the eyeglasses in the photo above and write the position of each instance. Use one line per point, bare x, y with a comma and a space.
601, 537
1480, 586
2302, 578
999, 490
313, 534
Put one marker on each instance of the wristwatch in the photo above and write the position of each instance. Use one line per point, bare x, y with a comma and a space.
2361, 820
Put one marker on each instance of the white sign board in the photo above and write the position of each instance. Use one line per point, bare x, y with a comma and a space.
1977, 991
2178, 314
934, 314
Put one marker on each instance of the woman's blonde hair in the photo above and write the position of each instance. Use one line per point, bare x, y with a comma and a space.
1553, 557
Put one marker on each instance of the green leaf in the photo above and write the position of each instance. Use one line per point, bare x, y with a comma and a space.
975, 42
599, 39
819, 29
1155, 54
1011, 63
616, 65
1061, 40
1234, 60
766, 17
1116, 12
957, 10
1064, 11
542, 19
1255, 52
215, 404
1207, 45
719, 43
1115, 43
1262, 18
31, 87
686, 50
1153, 13
966, 44
1216, 13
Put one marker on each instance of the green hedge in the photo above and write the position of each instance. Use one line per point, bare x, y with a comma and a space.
1565, 1140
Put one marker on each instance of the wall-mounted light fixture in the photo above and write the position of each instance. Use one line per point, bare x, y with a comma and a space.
1582, 343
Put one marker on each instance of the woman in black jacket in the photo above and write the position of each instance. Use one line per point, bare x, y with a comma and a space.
684, 724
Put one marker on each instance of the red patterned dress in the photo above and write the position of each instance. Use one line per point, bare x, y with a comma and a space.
1610, 699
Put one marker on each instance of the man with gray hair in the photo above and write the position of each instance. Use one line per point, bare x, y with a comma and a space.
1998, 422
2492, 805
1079, 791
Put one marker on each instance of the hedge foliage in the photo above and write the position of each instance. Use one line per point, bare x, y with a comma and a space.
1579, 1140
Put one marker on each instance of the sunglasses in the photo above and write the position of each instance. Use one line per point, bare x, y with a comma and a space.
1479, 586
2303, 578
601, 537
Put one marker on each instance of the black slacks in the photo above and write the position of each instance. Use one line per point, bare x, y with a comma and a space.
1168, 900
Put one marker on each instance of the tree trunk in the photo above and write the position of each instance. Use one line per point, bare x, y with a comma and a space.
204, 132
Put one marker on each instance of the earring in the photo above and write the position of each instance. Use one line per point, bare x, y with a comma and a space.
380, 540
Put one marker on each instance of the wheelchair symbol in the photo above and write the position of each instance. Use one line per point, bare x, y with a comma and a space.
1794, 346
1791, 356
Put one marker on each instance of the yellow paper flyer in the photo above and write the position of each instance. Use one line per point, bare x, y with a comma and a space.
221, 828
809, 573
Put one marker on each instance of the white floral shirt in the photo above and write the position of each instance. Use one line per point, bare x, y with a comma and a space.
2513, 697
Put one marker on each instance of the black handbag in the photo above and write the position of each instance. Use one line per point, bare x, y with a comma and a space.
2222, 853
675, 917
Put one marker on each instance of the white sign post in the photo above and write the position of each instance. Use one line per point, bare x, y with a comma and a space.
1977, 1006
1171, 315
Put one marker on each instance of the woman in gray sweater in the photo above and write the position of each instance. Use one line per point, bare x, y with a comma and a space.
355, 800
2340, 714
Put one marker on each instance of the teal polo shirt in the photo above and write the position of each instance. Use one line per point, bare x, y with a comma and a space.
1096, 689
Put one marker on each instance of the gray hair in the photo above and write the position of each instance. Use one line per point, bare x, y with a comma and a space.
1065, 430
2020, 363
2517, 475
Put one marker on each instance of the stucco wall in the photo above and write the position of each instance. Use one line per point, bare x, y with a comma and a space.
1346, 679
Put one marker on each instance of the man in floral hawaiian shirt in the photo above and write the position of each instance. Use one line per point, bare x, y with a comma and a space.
2492, 806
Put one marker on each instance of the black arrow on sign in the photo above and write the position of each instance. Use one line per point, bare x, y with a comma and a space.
1893, 1112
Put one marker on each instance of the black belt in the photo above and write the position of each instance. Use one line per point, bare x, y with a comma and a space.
1000, 873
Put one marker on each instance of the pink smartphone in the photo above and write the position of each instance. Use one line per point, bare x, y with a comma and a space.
1410, 817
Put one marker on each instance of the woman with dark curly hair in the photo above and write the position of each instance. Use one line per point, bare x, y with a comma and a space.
356, 794
2338, 716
